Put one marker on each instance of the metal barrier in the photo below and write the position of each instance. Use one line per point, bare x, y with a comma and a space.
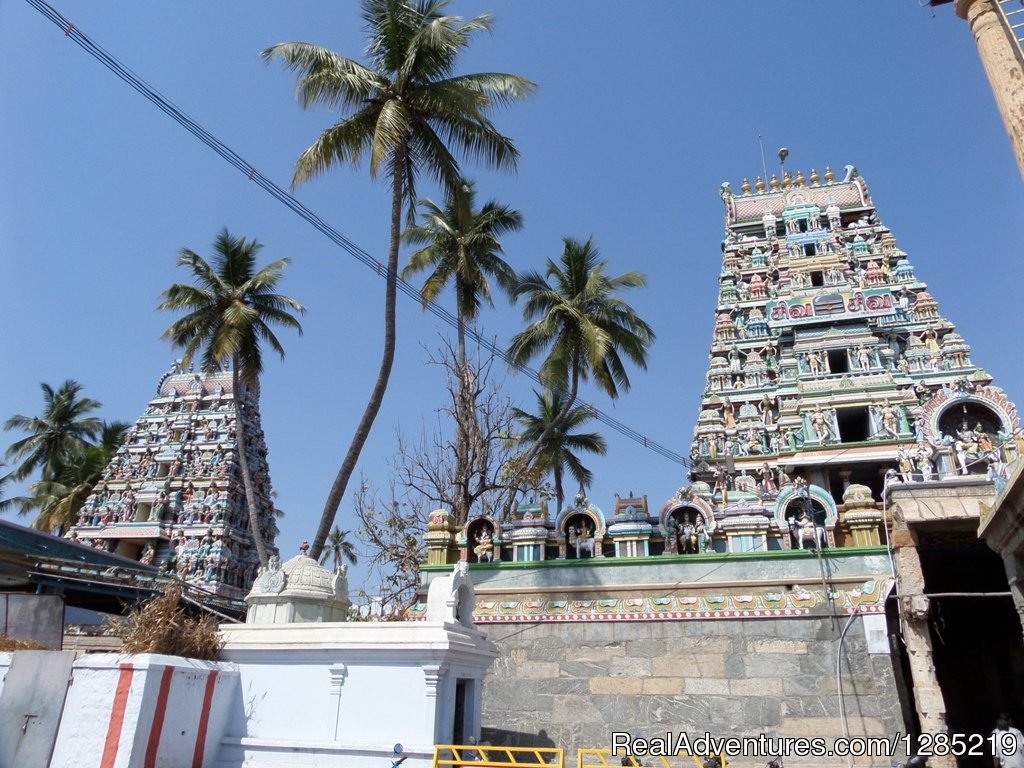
483, 756
603, 758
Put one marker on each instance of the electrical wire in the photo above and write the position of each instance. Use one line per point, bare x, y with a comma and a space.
282, 196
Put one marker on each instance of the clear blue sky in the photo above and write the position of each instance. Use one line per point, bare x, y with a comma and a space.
643, 110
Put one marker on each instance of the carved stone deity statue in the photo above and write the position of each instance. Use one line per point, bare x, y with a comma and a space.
814, 363
888, 419
484, 549
820, 425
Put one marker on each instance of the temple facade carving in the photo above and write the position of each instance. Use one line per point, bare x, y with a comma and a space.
173, 497
831, 368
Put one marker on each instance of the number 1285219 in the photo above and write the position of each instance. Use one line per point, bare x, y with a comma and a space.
959, 744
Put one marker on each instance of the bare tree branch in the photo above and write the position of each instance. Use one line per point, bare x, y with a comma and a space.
461, 465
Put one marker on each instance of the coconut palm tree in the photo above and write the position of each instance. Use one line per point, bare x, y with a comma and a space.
4, 480
586, 329
561, 447
230, 310
63, 427
339, 548
409, 111
58, 500
461, 244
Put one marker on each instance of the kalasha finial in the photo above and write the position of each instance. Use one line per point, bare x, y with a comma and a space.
774, 183
800, 178
829, 176
759, 184
304, 549
745, 186
787, 180
815, 178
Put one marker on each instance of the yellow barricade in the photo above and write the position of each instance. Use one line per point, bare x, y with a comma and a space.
603, 758
482, 756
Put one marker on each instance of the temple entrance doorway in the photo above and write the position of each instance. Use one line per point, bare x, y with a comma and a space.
977, 646
459, 724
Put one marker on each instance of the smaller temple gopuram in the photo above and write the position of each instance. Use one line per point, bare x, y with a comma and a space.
173, 495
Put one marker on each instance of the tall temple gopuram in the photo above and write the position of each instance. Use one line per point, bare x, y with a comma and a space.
820, 573
832, 373
173, 495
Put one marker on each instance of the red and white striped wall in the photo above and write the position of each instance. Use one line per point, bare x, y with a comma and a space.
144, 711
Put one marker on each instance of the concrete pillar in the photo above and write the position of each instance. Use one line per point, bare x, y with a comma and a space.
1015, 576
928, 699
1002, 61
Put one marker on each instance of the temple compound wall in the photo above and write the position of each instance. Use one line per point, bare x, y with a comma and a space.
727, 644
577, 683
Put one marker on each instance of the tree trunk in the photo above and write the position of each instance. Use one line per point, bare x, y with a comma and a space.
387, 359
243, 463
559, 493
464, 413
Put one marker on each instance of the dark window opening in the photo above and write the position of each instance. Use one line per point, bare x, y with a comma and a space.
838, 362
809, 249
130, 549
817, 279
986, 631
803, 225
854, 424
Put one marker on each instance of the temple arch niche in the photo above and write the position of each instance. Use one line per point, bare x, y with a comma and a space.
580, 537
480, 545
972, 429
806, 516
687, 530
969, 414
581, 530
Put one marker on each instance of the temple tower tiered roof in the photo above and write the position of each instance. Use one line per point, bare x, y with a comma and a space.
832, 371
173, 495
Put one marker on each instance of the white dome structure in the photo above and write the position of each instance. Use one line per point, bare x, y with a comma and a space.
300, 591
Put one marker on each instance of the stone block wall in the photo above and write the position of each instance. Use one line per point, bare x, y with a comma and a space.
574, 683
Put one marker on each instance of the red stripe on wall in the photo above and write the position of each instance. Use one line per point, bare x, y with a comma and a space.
158, 717
204, 720
124, 684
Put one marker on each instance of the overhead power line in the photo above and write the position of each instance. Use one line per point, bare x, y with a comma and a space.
284, 197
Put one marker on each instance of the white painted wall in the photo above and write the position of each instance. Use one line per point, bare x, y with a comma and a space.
5, 664
343, 694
